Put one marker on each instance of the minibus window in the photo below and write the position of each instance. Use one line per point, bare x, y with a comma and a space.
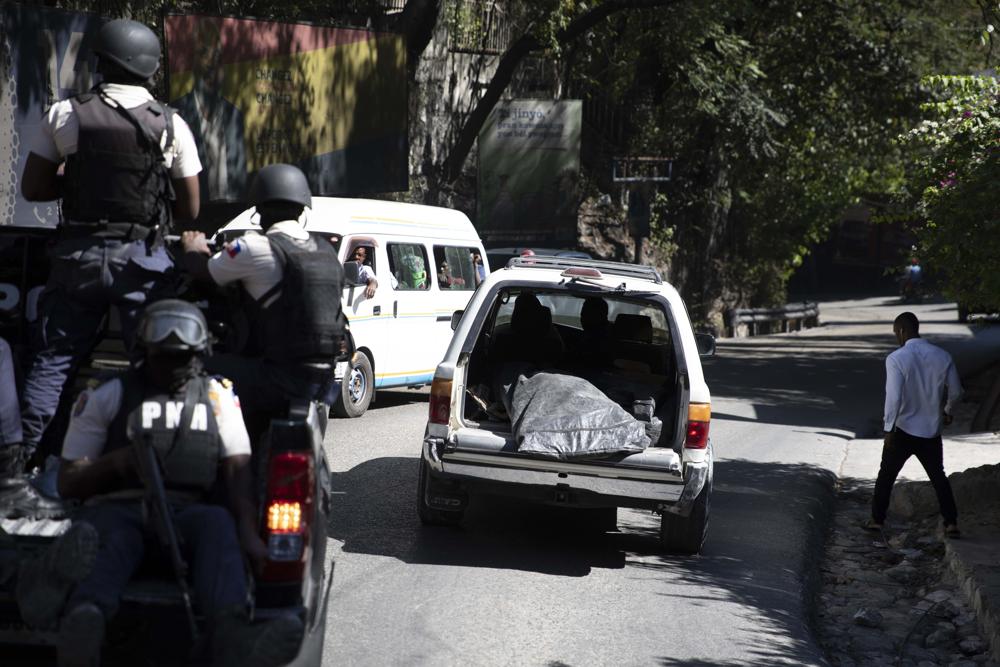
408, 264
455, 268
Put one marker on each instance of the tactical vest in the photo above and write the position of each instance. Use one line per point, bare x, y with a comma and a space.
305, 322
118, 173
181, 427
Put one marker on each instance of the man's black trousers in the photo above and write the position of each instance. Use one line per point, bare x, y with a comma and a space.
928, 451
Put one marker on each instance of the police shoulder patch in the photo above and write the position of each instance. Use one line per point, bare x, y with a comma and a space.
233, 248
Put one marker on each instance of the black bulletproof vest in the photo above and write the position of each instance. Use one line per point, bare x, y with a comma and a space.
118, 173
181, 427
305, 322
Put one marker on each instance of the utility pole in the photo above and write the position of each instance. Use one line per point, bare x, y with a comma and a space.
641, 177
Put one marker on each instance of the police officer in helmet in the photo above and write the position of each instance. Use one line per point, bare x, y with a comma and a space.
130, 168
194, 423
293, 280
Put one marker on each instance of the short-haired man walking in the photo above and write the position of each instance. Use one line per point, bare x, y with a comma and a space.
920, 379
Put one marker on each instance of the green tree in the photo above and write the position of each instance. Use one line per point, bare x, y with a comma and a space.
778, 114
954, 185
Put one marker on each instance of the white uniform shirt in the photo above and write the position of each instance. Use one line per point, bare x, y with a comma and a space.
919, 377
365, 274
96, 409
250, 260
60, 130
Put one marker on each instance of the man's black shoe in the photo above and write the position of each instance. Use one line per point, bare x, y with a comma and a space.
271, 643
81, 633
18, 498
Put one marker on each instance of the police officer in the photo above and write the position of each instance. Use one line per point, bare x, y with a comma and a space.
293, 280
194, 423
130, 167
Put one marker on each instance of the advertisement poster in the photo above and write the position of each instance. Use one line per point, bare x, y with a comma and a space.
529, 162
45, 56
332, 101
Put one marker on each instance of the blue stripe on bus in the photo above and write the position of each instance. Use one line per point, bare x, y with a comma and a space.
404, 380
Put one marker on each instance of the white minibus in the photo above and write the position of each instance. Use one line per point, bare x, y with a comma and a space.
427, 261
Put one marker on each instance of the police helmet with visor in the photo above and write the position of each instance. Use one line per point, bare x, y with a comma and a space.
131, 46
173, 326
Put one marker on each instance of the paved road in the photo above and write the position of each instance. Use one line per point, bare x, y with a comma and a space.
526, 585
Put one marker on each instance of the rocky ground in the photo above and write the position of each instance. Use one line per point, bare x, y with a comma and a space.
888, 598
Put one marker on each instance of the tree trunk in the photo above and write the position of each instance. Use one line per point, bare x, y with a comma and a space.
695, 273
988, 408
509, 62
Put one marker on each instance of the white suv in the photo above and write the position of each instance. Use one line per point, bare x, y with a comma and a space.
573, 382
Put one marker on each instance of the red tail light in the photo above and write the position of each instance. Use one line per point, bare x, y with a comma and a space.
699, 417
288, 515
440, 404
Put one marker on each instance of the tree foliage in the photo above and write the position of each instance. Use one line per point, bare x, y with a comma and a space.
778, 114
955, 185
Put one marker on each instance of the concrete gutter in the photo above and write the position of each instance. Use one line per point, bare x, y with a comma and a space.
975, 564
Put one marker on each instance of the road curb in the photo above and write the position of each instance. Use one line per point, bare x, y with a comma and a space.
974, 567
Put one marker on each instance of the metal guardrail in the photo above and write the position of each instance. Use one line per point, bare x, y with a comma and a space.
757, 321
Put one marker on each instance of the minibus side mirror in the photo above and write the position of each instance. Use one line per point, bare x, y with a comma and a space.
456, 317
351, 272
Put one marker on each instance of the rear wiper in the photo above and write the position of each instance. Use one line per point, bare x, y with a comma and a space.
581, 280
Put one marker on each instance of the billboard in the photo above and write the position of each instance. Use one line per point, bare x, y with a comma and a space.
529, 164
45, 56
331, 100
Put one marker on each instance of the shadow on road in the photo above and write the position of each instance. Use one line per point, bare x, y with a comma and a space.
391, 398
754, 557
819, 382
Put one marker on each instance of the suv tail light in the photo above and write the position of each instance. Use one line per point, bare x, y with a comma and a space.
699, 417
288, 515
440, 404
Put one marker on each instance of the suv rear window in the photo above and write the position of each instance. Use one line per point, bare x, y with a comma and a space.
567, 311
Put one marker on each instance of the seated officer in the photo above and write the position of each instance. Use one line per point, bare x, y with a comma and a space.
193, 422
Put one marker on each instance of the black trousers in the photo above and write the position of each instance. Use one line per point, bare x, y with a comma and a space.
928, 451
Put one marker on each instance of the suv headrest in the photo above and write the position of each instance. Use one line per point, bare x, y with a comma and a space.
638, 328
530, 317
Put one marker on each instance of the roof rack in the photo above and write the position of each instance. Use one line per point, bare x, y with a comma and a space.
614, 268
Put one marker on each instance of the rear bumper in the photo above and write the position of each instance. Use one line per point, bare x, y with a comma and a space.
663, 490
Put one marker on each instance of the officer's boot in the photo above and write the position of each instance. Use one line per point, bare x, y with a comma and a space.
44, 583
81, 633
13, 458
237, 641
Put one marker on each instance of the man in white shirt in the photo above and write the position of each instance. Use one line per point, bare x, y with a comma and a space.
921, 389
366, 276
124, 167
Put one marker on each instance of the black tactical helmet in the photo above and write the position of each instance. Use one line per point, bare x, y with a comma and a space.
280, 183
172, 325
130, 45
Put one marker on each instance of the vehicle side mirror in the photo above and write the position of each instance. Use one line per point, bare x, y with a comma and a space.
456, 317
705, 343
351, 272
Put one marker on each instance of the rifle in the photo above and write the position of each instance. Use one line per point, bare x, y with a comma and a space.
163, 522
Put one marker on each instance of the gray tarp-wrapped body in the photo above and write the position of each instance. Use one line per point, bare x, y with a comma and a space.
566, 417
